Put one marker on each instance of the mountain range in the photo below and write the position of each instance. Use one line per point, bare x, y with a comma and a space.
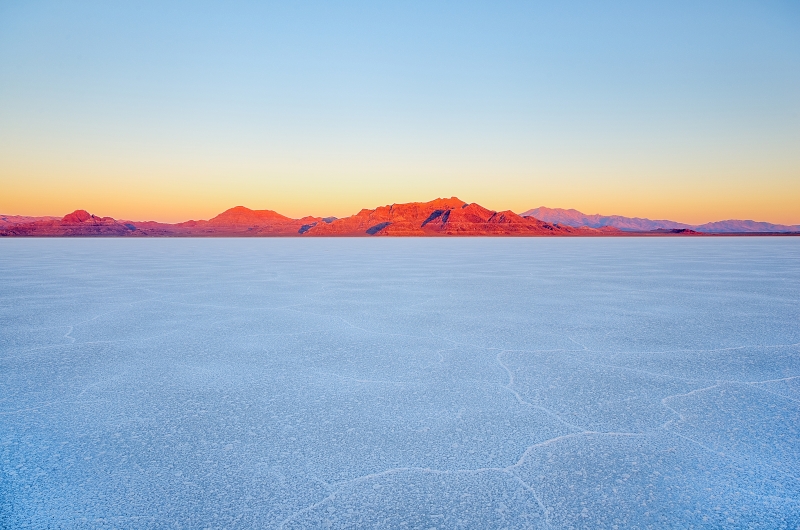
440, 217
575, 218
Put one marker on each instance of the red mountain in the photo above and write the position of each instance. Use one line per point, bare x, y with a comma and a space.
241, 221
441, 217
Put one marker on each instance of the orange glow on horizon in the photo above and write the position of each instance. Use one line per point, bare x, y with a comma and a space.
167, 204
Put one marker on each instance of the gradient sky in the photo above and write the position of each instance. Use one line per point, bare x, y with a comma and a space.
682, 110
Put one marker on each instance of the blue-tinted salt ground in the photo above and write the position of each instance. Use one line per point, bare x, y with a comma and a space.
400, 383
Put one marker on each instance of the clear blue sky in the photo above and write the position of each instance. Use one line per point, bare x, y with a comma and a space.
169, 110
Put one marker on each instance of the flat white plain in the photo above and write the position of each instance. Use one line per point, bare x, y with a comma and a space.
390, 383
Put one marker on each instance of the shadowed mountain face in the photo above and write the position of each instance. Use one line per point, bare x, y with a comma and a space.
575, 218
440, 217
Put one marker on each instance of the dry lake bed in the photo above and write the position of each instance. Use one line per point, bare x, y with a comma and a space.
393, 383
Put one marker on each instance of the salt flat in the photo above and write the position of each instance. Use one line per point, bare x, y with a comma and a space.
390, 383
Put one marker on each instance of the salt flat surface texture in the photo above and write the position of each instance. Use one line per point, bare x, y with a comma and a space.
420, 383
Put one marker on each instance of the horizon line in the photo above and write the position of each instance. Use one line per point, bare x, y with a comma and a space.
523, 213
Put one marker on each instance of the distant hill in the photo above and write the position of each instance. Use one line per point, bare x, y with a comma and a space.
736, 225
575, 218
11, 220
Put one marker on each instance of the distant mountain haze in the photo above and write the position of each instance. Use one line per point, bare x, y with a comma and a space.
574, 218
440, 217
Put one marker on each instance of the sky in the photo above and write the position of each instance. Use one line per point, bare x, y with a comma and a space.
171, 111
